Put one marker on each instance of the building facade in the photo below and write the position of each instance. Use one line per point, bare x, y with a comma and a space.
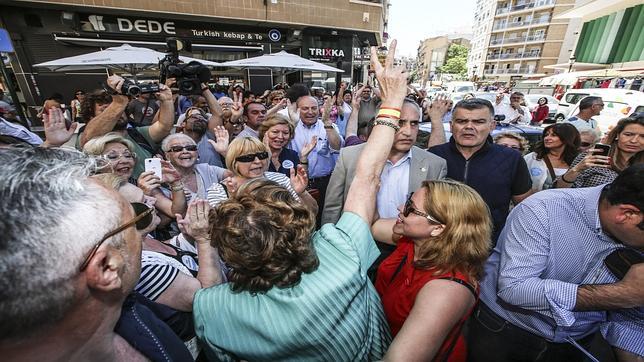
481, 31
525, 37
432, 53
332, 32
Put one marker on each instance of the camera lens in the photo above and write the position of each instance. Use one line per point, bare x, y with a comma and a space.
133, 90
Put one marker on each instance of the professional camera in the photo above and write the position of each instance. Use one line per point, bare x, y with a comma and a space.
189, 76
131, 88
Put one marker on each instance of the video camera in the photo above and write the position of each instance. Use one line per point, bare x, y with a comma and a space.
189, 76
131, 88
499, 117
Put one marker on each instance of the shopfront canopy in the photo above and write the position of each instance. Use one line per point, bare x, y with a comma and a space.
282, 63
569, 78
125, 57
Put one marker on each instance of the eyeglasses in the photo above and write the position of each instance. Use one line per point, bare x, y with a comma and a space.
142, 220
115, 156
586, 144
191, 148
251, 157
410, 209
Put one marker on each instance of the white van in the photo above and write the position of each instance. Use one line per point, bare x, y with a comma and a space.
618, 103
460, 87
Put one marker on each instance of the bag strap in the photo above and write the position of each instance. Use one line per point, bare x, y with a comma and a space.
551, 170
459, 326
398, 268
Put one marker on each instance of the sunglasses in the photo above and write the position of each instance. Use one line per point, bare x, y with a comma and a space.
191, 148
142, 220
586, 144
410, 209
116, 156
251, 157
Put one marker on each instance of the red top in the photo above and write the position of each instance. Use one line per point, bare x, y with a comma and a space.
540, 113
398, 295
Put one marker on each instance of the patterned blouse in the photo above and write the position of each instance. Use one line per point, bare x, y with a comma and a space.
593, 176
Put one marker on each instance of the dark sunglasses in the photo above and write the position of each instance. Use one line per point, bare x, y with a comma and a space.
251, 157
142, 220
410, 209
181, 148
586, 144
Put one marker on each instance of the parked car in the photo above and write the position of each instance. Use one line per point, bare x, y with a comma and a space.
460, 87
553, 103
618, 103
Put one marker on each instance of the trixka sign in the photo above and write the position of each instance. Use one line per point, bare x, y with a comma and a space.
326, 52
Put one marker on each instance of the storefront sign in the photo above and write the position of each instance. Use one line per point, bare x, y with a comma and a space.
326, 53
188, 30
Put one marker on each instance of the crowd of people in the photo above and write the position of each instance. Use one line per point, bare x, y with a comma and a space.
312, 225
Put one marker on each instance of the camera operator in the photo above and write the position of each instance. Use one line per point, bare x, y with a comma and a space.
142, 109
146, 138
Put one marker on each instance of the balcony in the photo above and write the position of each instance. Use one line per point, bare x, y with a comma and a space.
513, 55
517, 40
526, 6
500, 26
523, 70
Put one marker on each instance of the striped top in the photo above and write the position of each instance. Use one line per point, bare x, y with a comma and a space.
552, 243
333, 314
217, 194
158, 271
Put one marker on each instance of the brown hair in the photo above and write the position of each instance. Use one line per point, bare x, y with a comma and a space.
274, 121
613, 136
263, 234
464, 244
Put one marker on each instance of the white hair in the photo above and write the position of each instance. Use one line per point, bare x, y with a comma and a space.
176, 136
51, 215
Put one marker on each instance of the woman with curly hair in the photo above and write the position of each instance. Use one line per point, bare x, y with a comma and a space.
429, 284
553, 155
589, 169
512, 140
292, 293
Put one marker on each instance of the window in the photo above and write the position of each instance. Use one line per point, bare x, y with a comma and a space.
575, 97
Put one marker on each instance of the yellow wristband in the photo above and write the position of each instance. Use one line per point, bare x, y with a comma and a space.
388, 112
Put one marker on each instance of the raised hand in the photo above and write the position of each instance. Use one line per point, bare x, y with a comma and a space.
392, 79
148, 182
164, 94
169, 173
356, 98
56, 133
592, 160
299, 180
308, 147
293, 111
195, 224
221, 145
115, 82
439, 106
238, 107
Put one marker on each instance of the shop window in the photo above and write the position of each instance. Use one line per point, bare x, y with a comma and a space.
33, 21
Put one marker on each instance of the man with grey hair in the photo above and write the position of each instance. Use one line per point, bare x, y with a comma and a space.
588, 139
69, 256
406, 168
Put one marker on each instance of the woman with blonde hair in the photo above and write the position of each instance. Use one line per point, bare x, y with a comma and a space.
248, 158
429, 284
512, 140
276, 132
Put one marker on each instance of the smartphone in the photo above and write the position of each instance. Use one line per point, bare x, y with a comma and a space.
153, 164
621, 260
604, 149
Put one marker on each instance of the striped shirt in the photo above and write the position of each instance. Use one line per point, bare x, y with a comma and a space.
552, 243
158, 271
333, 314
217, 194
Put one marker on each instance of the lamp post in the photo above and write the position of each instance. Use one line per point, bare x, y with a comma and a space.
571, 62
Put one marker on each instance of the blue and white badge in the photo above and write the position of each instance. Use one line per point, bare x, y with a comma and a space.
288, 164
535, 171
274, 35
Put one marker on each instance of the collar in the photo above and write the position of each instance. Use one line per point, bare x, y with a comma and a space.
489, 142
313, 126
591, 208
406, 157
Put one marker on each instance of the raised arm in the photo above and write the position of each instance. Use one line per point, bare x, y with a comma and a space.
162, 128
105, 122
335, 142
216, 113
352, 123
393, 87
438, 108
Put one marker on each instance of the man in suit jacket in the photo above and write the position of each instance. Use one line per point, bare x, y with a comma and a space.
406, 168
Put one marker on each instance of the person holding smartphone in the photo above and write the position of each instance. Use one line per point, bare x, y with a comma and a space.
604, 162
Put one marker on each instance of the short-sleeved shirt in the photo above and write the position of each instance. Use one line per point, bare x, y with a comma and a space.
497, 173
582, 124
158, 271
288, 160
332, 314
141, 113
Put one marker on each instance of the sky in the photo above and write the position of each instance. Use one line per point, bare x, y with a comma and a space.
411, 21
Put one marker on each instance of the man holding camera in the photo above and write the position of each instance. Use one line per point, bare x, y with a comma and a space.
142, 109
499, 174
146, 139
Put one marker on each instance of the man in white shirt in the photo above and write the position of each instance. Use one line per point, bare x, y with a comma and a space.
513, 112
588, 107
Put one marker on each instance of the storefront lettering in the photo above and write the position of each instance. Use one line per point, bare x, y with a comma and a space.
146, 26
326, 52
227, 35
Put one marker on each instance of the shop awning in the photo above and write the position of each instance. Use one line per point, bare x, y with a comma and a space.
578, 66
102, 42
564, 78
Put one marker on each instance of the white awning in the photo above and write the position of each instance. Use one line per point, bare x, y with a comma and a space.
154, 44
